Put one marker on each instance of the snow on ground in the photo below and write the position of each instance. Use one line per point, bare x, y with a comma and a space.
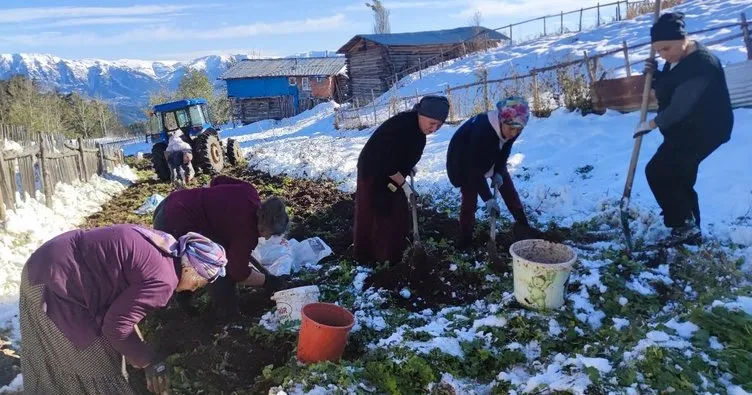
33, 223
566, 167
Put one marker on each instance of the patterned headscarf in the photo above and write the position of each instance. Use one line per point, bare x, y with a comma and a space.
514, 111
202, 254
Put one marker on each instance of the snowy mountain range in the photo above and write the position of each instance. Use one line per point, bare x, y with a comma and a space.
124, 83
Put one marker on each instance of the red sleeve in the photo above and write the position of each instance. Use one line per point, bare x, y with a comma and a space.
225, 180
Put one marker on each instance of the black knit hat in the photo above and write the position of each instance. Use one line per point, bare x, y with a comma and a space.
670, 26
434, 107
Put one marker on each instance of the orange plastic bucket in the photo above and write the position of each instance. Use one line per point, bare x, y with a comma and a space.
323, 333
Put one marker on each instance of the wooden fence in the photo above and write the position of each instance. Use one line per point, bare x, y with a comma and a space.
33, 163
472, 98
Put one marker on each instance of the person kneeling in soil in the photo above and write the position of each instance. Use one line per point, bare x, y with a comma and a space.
230, 212
179, 156
382, 193
694, 117
82, 294
478, 151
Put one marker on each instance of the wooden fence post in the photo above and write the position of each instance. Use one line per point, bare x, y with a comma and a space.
561, 20
599, 14
485, 90
747, 40
420, 69
2, 180
536, 105
373, 101
102, 165
45, 172
627, 65
448, 95
510, 34
7, 182
593, 79
580, 29
544, 26
82, 156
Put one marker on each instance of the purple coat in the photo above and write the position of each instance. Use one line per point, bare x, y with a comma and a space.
102, 282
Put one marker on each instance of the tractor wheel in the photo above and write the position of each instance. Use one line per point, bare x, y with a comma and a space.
208, 153
159, 162
234, 153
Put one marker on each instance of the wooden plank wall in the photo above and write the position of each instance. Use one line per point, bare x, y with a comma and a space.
36, 162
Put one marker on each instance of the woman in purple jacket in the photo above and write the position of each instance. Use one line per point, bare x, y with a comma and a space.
82, 294
231, 213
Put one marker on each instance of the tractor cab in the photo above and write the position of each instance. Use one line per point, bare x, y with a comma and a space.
192, 117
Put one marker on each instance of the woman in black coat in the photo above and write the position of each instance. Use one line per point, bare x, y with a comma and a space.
479, 151
381, 198
694, 117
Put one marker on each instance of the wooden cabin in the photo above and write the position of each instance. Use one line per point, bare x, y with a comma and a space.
279, 88
374, 61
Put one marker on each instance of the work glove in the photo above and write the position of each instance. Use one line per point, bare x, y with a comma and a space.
157, 377
497, 181
651, 66
642, 129
408, 190
492, 208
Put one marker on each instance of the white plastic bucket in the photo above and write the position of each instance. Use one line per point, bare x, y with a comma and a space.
291, 301
541, 272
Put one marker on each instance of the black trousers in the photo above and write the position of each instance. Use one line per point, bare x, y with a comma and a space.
672, 173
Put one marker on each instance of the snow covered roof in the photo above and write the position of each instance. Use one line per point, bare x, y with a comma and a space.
434, 37
296, 67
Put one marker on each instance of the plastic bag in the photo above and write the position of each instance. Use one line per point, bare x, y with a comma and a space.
275, 254
150, 204
309, 251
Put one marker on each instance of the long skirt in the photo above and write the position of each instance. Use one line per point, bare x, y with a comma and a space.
51, 364
381, 228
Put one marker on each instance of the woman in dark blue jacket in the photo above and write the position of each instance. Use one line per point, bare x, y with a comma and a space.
478, 151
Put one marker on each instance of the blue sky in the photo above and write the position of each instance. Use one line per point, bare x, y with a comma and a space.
181, 30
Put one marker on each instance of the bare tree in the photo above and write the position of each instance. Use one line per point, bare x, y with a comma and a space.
479, 40
476, 19
380, 17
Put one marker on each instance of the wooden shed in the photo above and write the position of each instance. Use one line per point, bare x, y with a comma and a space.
280, 88
375, 60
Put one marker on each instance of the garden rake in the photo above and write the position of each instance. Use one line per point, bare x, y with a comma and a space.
637, 144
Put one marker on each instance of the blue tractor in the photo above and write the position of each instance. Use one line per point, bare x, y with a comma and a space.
192, 117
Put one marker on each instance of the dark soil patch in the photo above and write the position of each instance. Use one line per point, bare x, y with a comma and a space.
211, 357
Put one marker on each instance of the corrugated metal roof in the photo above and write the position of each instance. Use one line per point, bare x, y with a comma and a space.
435, 37
287, 67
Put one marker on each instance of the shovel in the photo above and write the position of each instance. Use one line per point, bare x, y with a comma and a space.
637, 144
418, 258
493, 255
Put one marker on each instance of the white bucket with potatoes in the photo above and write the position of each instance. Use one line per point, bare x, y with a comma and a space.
541, 272
291, 301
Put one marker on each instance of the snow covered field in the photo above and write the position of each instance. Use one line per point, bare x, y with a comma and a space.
616, 330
